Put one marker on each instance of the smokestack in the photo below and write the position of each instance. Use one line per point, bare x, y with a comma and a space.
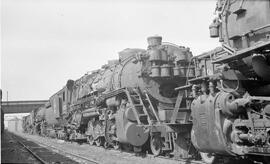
154, 41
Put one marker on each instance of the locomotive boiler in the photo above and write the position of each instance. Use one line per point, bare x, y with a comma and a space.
231, 87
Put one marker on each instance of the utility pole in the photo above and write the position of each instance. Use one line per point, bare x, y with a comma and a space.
1, 99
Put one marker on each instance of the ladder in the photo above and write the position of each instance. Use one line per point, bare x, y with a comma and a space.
182, 96
150, 108
142, 111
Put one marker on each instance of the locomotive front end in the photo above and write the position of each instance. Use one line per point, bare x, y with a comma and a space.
231, 88
149, 78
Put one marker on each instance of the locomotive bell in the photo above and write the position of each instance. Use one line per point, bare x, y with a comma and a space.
154, 41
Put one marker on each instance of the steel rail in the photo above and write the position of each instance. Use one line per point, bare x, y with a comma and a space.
72, 154
68, 153
30, 151
63, 152
186, 161
150, 156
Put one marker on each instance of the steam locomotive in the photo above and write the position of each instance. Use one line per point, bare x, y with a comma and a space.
130, 102
231, 87
216, 104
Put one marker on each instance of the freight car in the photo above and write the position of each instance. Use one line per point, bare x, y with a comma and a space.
231, 87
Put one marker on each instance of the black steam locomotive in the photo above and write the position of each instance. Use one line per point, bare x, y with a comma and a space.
231, 87
130, 102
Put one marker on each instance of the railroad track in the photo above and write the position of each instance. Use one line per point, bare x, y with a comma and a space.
45, 159
150, 156
31, 152
80, 157
184, 161
71, 154
84, 159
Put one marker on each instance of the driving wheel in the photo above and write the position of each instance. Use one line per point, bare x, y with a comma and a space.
156, 145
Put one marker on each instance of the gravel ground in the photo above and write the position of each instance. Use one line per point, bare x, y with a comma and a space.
99, 154
13, 152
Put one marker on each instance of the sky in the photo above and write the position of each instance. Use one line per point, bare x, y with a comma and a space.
46, 42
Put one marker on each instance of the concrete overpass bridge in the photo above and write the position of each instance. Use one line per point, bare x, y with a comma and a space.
21, 106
